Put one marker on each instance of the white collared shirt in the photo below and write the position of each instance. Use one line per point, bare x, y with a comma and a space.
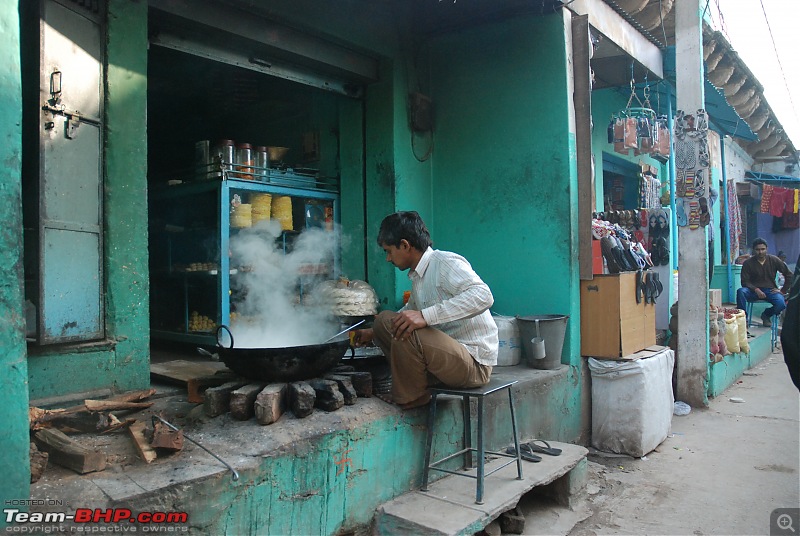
455, 300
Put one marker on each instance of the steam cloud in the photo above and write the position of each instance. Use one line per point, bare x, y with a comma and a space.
271, 316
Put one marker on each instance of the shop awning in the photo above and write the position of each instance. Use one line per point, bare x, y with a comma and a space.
784, 181
724, 116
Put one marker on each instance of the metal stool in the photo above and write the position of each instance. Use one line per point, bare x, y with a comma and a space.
773, 339
480, 393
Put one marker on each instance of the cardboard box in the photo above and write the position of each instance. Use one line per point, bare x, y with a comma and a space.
612, 323
715, 297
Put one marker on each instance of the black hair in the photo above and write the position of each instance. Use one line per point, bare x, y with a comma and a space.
758, 241
404, 226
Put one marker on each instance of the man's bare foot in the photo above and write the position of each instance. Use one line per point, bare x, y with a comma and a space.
421, 401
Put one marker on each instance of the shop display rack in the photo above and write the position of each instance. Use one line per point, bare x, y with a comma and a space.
195, 283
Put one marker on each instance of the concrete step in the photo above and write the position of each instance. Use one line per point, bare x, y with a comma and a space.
448, 507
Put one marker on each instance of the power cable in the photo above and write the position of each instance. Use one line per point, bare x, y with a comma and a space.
661, 17
778, 58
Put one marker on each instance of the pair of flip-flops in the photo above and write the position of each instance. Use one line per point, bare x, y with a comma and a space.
528, 451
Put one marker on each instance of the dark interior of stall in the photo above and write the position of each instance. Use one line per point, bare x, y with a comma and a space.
194, 100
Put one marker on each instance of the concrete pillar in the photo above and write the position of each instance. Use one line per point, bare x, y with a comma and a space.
692, 361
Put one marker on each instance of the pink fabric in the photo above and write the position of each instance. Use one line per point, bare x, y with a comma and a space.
735, 222
778, 202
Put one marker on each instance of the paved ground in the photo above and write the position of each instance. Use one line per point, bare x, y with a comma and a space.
723, 470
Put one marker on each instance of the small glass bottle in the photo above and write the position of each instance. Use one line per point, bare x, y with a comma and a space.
223, 155
244, 161
262, 163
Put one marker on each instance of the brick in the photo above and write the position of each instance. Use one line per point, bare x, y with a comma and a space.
216, 400
345, 386
196, 386
242, 400
301, 399
329, 398
512, 522
362, 382
270, 403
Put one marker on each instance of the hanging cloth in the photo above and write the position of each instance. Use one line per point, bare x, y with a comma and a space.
777, 202
734, 221
766, 198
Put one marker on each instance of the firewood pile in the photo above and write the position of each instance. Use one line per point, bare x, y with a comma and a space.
49, 429
151, 436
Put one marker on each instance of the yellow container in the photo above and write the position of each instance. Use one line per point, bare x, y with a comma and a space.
261, 207
242, 216
282, 211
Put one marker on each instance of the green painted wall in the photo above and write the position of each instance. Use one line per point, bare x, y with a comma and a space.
504, 178
122, 363
723, 374
13, 360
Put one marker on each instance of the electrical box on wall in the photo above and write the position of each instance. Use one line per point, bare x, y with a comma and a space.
420, 111
311, 145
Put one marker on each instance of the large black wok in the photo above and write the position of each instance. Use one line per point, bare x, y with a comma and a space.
282, 364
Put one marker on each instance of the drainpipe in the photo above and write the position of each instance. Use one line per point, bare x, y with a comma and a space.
727, 226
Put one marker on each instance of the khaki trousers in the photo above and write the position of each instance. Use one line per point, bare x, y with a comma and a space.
429, 357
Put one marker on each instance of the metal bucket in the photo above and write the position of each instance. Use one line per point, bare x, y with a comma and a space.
542, 347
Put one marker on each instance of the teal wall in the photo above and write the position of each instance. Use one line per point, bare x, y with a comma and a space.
504, 176
13, 361
723, 374
122, 362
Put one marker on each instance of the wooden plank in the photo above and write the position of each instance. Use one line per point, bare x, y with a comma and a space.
113, 405
582, 101
181, 371
136, 431
69, 453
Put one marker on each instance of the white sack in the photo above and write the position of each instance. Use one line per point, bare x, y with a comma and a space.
632, 403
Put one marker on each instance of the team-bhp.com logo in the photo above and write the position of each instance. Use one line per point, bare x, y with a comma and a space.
94, 520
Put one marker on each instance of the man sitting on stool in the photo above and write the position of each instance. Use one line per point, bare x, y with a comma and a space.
758, 281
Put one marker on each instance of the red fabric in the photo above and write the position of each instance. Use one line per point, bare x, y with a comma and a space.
791, 220
778, 202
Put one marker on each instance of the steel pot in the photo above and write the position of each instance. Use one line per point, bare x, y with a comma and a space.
282, 364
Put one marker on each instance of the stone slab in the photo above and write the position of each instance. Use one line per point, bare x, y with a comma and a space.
448, 507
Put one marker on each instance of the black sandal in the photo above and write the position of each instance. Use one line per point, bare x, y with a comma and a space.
547, 449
